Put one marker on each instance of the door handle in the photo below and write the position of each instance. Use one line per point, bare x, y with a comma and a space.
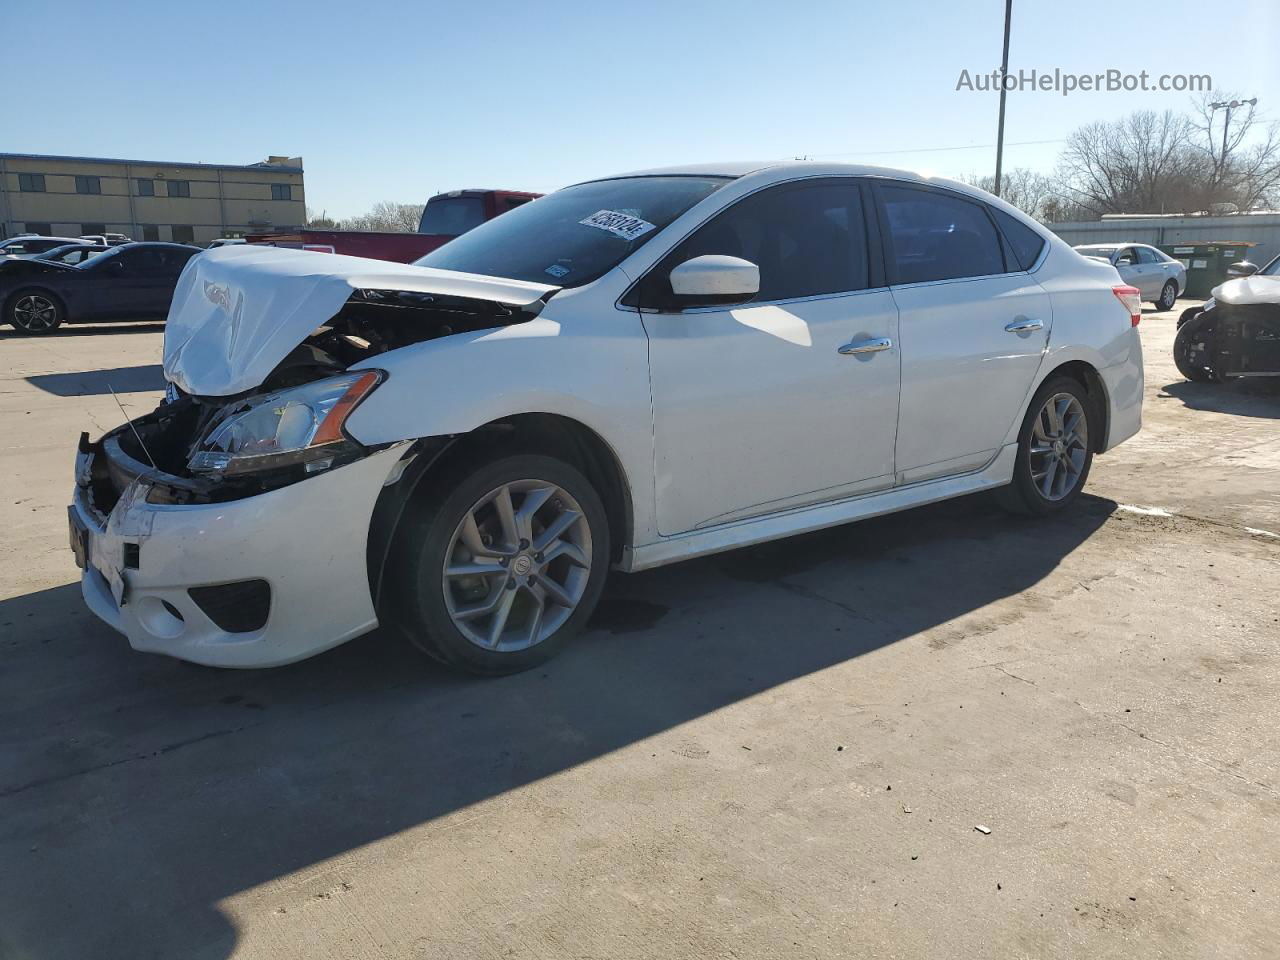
859, 347
1024, 325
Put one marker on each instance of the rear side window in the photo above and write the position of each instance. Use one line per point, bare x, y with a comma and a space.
807, 240
931, 235
1023, 243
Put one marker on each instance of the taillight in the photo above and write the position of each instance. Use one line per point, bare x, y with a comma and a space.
1131, 297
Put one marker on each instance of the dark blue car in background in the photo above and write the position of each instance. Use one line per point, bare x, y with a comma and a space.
134, 281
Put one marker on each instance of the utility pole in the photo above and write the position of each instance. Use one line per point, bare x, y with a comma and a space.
1004, 73
1229, 105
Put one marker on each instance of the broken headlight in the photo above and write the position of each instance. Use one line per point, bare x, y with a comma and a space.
302, 425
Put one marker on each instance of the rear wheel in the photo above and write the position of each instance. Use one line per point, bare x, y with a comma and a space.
501, 563
1055, 449
1168, 296
1191, 350
35, 312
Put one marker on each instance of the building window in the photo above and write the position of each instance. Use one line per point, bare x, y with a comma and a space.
31, 182
281, 191
92, 229
182, 233
146, 188
88, 184
179, 188
150, 232
43, 229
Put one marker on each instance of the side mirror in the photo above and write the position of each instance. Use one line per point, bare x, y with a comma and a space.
1242, 268
715, 278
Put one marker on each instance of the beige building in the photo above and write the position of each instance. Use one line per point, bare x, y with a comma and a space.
147, 200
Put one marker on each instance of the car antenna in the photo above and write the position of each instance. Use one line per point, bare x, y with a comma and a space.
132, 427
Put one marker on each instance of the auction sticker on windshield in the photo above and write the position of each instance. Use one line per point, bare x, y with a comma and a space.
622, 225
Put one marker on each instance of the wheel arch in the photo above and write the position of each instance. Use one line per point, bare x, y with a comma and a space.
34, 288
552, 434
1086, 374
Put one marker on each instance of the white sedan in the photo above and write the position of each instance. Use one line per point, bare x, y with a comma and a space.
626, 373
1158, 276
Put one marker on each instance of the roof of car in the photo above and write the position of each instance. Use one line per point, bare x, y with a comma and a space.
781, 170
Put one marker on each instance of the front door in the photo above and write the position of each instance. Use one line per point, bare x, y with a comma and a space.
756, 408
973, 330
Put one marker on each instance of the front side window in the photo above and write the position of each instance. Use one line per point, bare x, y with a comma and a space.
574, 235
31, 182
146, 188
807, 239
179, 188
88, 184
934, 235
1126, 257
1147, 255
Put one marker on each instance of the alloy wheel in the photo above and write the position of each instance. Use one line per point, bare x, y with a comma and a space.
1059, 446
34, 312
517, 565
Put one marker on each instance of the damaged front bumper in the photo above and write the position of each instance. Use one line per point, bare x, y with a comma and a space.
256, 581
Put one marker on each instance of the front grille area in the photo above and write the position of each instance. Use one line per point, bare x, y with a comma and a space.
240, 607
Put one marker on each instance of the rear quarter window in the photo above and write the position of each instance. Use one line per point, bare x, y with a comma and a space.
1023, 242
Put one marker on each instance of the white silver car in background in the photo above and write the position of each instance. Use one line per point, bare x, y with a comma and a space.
626, 373
1160, 278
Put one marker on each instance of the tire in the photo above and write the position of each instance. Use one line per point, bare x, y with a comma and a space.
1029, 493
1168, 296
437, 611
35, 312
1189, 354
1189, 314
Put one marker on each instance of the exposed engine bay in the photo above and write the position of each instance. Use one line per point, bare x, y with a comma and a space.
163, 444
1230, 340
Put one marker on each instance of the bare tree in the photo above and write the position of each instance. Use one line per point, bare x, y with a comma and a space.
1025, 189
387, 216
1243, 160
321, 221
1142, 163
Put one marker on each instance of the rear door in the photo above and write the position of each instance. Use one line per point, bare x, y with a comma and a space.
973, 327
762, 406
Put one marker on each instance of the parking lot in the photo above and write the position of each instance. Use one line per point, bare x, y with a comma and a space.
945, 733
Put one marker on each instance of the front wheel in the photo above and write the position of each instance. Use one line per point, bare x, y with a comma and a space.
1192, 350
34, 311
1055, 450
500, 564
1168, 296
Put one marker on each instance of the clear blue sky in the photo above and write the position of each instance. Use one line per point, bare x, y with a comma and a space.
393, 99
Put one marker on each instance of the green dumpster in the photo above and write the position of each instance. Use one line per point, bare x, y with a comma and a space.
1206, 263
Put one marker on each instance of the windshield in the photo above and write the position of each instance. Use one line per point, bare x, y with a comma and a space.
451, 216
574, 235
1272, 269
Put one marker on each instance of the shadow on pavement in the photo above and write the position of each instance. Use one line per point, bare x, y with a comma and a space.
86, 383
137, 792
88, 330
1250, 397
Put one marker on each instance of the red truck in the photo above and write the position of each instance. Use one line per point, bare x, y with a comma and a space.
446, 215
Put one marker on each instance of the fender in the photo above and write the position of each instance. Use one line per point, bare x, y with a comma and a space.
551, 364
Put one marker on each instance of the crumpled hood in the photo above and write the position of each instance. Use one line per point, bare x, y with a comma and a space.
1247, 290
238, 310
